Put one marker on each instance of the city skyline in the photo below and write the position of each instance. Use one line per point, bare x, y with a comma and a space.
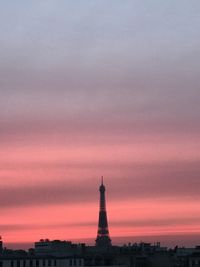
91, 88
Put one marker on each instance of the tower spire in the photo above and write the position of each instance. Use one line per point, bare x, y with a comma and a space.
103, 238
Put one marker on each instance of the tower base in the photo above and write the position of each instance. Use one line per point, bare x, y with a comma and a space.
103, 241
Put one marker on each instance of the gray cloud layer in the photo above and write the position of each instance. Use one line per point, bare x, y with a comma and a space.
153, 182
135, 223
73, 58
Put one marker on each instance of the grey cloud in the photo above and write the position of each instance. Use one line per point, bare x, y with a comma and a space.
180, 180
90, 61
105, 127
144, 223
134, 224
42, 195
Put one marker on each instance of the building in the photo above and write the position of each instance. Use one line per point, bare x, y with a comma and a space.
1, 245
29, 261
194, 260
57, 248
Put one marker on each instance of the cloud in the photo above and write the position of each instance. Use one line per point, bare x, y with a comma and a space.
173, 181
43, 195
105, 127
177, 222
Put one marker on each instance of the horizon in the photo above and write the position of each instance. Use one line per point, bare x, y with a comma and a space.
169, 241
99, 87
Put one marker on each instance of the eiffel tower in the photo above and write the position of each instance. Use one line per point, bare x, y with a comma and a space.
103, 238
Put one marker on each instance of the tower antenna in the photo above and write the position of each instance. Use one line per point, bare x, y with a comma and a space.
102, 180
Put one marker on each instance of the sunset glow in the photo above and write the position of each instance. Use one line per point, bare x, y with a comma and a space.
85, 93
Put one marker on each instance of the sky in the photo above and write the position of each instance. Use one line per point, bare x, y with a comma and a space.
91, 88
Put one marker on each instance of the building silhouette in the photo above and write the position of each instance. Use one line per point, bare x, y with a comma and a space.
103, 238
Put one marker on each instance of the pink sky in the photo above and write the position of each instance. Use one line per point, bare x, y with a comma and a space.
85, 93
51, 190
